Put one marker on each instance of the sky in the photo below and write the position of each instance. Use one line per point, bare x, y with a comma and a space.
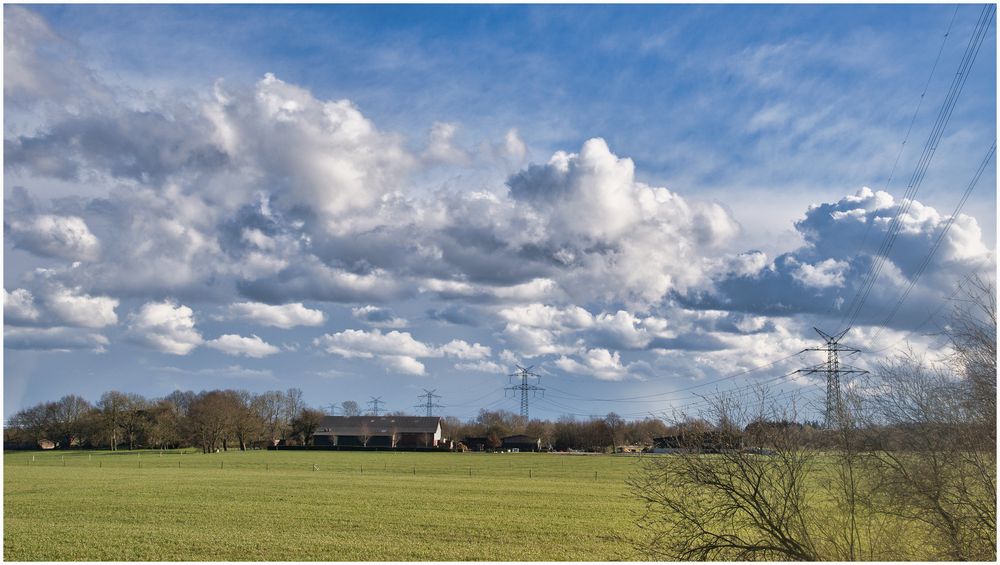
649, 204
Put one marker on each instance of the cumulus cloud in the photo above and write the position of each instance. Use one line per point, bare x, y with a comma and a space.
397, 350
58, 305
617, 238
326, 154
481, 367
166, 326
48, 235
278, 315
548, 317
232, 344
464, 350
378, 317
821, 275
19, 307
827, 271
75, 308
597, 363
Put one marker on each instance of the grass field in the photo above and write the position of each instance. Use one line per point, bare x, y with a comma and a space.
279, 506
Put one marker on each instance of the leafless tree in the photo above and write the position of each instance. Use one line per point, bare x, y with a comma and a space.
729, 505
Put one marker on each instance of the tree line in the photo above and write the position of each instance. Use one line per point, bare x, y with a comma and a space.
238, 419
209, 420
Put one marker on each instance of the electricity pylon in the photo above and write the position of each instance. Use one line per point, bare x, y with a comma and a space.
429, 405
833, 369
374, 402
524, 387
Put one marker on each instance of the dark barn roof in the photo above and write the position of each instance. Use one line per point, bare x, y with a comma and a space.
520, 438
375, 425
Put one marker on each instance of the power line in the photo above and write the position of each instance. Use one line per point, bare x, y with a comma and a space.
906, 138
920, 170
940, 238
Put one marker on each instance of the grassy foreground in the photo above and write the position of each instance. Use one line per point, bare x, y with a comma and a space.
334, 506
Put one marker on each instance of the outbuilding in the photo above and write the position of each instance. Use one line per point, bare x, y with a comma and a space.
378, 431
521, 442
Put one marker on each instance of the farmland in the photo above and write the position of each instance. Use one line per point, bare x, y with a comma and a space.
316, 505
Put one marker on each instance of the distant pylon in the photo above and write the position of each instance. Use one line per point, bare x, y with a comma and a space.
429, 405
833, 369
374, 402
524, 387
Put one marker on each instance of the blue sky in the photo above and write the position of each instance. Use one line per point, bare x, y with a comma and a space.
373, 200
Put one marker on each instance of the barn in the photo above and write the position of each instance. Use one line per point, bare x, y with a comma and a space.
477, 443
378, 431
521, 442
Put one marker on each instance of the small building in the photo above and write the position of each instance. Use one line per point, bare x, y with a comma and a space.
477, 443
378, 431
521, 442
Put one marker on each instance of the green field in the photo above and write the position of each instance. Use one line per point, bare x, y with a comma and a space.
316, 505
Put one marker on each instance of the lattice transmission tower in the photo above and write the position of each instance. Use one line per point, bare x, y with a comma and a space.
374, 402
834, 369
429, 405
524, 373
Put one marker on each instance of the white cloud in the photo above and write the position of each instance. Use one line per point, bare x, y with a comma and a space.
328, 155
253, 346
19, 306
280, 315
619, 239
548, 317
482, 367
529, 341
48, 235
823, 274
464, 350
403, 364
598, 363
75, 308
166, 326
398, 351
368, 344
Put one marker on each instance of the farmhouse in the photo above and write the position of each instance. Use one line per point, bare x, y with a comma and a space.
379, 431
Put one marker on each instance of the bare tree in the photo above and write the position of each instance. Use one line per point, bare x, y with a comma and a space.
350, 408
